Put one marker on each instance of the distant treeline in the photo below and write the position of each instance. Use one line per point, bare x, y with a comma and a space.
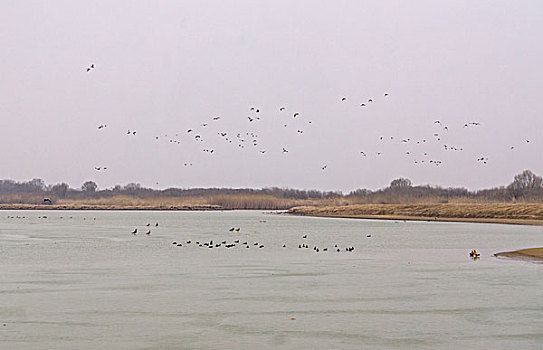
525, 187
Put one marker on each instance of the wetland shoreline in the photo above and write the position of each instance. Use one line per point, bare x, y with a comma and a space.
513, 214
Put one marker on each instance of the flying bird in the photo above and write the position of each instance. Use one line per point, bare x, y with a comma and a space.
296, 114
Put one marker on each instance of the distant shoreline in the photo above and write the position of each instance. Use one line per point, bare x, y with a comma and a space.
512, 214
6, 207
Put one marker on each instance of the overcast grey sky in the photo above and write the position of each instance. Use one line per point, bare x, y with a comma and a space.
163, 67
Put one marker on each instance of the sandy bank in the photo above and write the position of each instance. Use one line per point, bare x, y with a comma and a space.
519, 214
524, 254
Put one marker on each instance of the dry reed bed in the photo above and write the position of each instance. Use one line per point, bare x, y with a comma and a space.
476, 212
234, 201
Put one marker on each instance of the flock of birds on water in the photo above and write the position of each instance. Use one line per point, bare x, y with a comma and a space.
256, 245
250, 139
223, 243
232, 243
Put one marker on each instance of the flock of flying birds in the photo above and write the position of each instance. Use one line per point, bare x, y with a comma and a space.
250, 139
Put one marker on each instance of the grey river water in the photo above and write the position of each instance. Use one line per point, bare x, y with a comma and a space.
80, 280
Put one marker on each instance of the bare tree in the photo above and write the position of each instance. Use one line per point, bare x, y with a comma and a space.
525, 183
89, 186
60, 190
400, 183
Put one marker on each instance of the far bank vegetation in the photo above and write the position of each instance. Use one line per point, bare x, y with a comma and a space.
526, 187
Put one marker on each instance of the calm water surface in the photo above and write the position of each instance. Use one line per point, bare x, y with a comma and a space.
80, 280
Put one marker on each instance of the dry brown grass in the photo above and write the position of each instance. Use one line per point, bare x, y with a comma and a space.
128, 201
120, 203
492, 212
232, 201
265, 202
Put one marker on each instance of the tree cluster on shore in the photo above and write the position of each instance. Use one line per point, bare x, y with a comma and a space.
526, 187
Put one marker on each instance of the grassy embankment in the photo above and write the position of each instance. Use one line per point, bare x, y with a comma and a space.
528, 214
